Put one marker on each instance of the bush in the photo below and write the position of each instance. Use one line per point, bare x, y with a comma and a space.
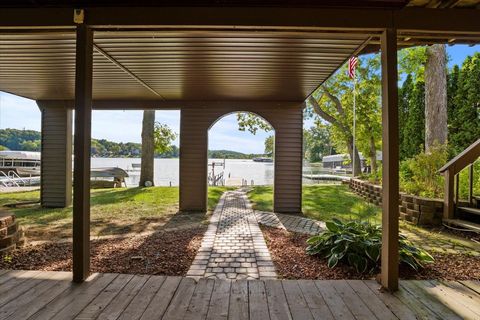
359, 245
419, 175
465, 181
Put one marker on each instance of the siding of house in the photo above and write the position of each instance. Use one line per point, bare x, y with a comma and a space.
56, 176
287, 120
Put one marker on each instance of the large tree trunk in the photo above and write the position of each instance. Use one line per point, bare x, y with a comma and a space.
435, 96
148, 148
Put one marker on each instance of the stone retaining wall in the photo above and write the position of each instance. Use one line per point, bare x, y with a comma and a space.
415, 209
11, 235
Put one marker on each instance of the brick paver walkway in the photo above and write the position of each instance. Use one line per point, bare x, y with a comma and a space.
233, 246
290, 222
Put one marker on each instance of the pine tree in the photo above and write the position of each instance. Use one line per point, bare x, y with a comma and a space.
465, 119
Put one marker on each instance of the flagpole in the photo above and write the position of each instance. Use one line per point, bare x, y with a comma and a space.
354, 122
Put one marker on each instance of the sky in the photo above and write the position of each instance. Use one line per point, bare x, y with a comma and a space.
21, 113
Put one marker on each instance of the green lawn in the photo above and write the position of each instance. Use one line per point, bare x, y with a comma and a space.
113, 211
322, 202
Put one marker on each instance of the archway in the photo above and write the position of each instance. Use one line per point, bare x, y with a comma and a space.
241, 157
196, 120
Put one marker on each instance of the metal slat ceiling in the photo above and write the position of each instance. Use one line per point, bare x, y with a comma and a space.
177, 65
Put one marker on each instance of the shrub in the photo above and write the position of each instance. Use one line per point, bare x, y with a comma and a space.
465, 181
359, 245
419, 175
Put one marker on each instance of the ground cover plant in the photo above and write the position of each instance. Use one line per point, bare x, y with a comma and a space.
113, 211
288, 251
358, 244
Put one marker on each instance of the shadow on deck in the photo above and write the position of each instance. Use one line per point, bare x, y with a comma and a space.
51, 295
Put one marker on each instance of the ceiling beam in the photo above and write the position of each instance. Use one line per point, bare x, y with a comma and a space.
410, 18
122, 104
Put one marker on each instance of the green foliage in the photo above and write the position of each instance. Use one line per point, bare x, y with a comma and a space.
317, 142
22, 140
411, 61
464, 105
464, 185
228, 154
269, 145
359, 245
163, 137
252, 122
30, 140
419, 175
411, 117
335, 106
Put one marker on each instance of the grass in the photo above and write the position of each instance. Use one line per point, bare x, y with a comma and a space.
113, 211
322, 202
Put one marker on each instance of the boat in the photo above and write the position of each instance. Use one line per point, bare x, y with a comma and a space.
22, 163
262, 159
110, 177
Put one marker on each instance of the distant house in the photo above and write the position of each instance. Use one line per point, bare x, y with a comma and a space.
342, 161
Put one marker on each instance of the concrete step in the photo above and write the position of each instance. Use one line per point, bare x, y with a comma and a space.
463, 224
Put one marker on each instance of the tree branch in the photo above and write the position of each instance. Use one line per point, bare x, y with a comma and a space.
326, 116
335, 101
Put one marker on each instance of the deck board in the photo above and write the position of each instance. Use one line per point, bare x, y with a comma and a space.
116, 307
52, 295
277, 302
218, 308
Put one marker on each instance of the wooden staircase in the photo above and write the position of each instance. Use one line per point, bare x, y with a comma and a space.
461, 214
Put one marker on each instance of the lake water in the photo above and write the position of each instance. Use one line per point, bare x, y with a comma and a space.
167, 170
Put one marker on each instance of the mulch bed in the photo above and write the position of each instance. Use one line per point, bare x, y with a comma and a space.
164, 253
288, 253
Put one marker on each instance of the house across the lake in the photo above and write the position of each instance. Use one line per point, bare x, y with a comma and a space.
342, 161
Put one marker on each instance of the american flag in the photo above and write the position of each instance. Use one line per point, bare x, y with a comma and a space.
352, 64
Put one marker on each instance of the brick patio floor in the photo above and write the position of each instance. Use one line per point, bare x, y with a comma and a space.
233, 246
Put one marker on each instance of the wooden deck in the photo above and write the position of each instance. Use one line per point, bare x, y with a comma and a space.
51, 295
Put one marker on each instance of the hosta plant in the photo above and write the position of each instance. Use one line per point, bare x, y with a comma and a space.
359, 244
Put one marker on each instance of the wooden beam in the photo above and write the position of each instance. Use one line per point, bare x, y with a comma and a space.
81, 174
390, 149
470, 184
360, 19
448, 205
159, 104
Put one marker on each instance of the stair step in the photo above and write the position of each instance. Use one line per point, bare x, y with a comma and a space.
470, 210
463, 224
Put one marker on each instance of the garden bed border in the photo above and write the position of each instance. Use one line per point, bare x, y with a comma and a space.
415, 209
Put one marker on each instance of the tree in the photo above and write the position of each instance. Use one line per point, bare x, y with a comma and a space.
435, 96
317, 142
269, 145
333, 102
252, 122
148, 148
465, 107
163, 138
156, 138
411, 117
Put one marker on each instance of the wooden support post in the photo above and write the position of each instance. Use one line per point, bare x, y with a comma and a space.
457, 188
81, 174
470, 185
390, 149
448, 206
